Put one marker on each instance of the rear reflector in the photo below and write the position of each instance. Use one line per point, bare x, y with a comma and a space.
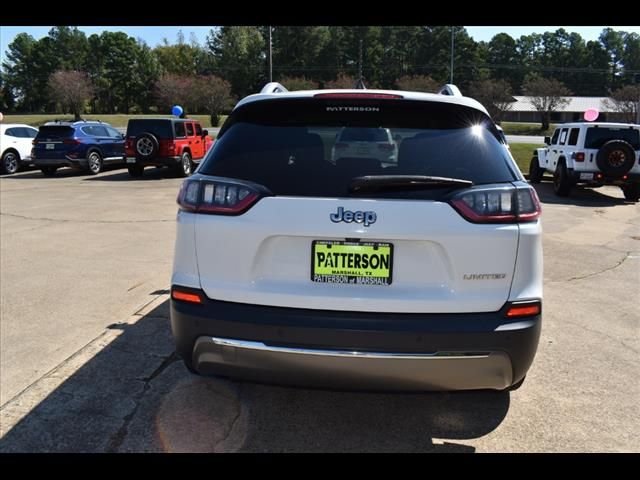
186, 296
524, 310
358, 96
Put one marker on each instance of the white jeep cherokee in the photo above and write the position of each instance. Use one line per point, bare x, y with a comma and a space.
422, 274
592, 154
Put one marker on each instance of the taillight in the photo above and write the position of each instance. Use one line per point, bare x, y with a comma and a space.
217, 197
385, 146
579, 157
524, 309
71, 141
498, 205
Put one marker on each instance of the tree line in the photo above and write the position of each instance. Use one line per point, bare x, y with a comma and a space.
120, 74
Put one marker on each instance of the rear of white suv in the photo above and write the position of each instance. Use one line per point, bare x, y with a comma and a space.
294, 266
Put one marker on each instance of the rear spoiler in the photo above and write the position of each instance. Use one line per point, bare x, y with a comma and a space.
273, 87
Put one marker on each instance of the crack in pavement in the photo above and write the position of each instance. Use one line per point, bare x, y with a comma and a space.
66, 220
617, 340
119, 437
627, 255
238, 401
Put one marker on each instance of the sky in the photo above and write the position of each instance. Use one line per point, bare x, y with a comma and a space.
154, 35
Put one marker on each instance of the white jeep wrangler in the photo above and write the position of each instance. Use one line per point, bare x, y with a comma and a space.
592, 154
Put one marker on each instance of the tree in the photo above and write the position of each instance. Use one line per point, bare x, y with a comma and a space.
546, 96
418, 83
495, 95
172, 90
342, 81
625, 100
502, 55
299, 83
239, 56
214, 96
71, 89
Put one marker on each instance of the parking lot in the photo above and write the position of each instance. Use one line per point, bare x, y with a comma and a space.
87, 359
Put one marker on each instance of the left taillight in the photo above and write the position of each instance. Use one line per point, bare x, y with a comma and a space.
217, 197
498, 205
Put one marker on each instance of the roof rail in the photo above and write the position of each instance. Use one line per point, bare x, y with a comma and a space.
273, 87
450, 89
360, 84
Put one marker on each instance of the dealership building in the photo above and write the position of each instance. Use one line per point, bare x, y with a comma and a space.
523, 110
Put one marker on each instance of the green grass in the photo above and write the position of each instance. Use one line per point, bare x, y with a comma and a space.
522, 128
114, 120
522, 153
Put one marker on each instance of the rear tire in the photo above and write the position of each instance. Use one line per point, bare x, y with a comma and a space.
136, 171
48, 171
535, 172
631, 191
562, 184
94, 163
10, 162
185, 167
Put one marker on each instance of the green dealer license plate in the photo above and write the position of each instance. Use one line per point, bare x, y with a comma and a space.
360, 263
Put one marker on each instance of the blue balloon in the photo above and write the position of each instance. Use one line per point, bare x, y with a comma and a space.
177, 110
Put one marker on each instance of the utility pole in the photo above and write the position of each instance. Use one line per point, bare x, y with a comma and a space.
360, 63
452, 36
270, 58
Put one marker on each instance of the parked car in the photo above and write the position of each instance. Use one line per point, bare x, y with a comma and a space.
171, 142
592, 154
421, 274
83, 145
15, 145
355, 142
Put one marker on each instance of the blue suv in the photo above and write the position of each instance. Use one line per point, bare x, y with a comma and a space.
83, 145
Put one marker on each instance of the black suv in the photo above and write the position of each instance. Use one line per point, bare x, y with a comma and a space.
178, 143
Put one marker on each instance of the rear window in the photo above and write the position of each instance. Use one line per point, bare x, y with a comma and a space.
293, 147
364, 135
159, 128
596, 137
55, 131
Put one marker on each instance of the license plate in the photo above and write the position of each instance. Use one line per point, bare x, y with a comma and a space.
362, 150
359, 263
131, 160
50, 146
586, 176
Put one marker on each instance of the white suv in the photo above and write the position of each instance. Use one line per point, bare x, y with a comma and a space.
424, 274
15, 146
592, 154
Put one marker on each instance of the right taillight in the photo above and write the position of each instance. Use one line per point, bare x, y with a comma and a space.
217, 196
498, 205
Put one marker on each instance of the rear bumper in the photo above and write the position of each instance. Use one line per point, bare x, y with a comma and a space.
60, 162
577, 177
355, 350
155, 161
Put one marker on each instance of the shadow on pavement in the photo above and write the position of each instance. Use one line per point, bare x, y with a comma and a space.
579, 196
63, 172
134, 395
150, 173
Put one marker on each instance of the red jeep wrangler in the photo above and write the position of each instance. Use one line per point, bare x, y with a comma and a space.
178, 143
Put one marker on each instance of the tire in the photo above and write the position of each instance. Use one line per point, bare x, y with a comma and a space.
10, 162
185, 167
562, 184
631, 191
189, 367
146, 145
615, 158
94, 162
535, 172
48, 171
135, 171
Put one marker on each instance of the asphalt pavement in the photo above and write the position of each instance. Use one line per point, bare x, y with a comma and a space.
87, 361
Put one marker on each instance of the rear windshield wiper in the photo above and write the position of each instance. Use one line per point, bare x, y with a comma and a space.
370, 183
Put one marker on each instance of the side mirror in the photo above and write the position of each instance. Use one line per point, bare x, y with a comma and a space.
205, 133
123, 136
547, 140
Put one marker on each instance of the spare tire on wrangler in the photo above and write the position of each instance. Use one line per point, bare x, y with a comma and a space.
146, 145
615, 158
